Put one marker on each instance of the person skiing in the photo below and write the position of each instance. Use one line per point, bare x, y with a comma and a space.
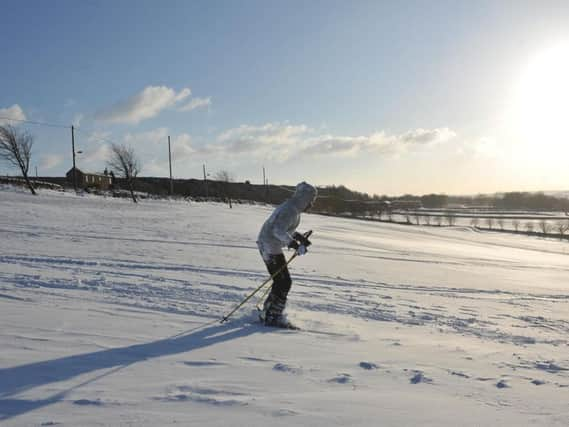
279, 231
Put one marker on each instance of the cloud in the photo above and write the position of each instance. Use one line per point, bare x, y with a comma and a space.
50, 161
378, 142
148, 138
427, 136
335, 145
182, 148
144, 105
283, 140
95, 157
272, 140
267, 133
196, 103
14, 112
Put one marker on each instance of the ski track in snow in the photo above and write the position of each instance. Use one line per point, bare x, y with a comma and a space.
112, 281
195, 280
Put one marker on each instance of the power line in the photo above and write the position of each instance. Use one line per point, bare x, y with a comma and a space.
56, 125
53, 125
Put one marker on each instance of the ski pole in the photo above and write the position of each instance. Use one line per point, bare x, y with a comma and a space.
259, 288
263, 297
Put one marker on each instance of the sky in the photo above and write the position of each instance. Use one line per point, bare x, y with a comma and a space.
382, 97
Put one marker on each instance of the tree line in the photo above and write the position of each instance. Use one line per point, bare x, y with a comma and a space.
16, 150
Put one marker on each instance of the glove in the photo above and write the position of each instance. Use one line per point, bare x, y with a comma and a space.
301, 238
298, 247
293, 245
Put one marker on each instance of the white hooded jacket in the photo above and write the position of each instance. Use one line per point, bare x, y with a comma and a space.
277, 230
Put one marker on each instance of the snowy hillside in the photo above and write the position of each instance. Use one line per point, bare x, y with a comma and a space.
108, 317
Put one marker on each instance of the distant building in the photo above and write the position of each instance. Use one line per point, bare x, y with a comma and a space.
89, 180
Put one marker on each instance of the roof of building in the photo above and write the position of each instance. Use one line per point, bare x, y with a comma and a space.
87, 173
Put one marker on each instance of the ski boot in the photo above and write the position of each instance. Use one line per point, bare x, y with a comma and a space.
272, 313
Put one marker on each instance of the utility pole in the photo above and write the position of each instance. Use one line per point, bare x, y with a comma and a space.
265, 185
36, 171
170, 160
205, 180
73, 152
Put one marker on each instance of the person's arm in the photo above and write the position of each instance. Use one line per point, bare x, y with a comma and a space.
283, 222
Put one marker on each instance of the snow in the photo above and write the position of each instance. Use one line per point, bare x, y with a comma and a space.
109, 315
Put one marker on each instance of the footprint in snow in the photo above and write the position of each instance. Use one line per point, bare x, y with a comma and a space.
368, 366
342, 379
87, 402
550, 367
203, 363
254, 359
502, 384
485, 379
284, 413
211, 396
459, 374
281, 367
419, 377
181, 397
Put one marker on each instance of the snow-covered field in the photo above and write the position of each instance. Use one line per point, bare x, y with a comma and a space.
108, 316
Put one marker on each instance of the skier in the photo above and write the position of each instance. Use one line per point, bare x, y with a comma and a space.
279, 231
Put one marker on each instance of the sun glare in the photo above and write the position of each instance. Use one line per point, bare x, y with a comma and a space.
543, 99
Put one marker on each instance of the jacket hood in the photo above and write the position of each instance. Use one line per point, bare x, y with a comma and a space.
304, 195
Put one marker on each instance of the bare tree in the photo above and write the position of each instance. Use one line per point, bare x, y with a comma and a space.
226, 177
417, 219
544, 226
16, 150
562, 227
125, 164
516, 224
451, 218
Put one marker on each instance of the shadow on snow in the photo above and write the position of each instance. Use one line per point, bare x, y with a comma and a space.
25, 377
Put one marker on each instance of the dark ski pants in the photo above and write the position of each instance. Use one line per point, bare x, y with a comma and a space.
282, 281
